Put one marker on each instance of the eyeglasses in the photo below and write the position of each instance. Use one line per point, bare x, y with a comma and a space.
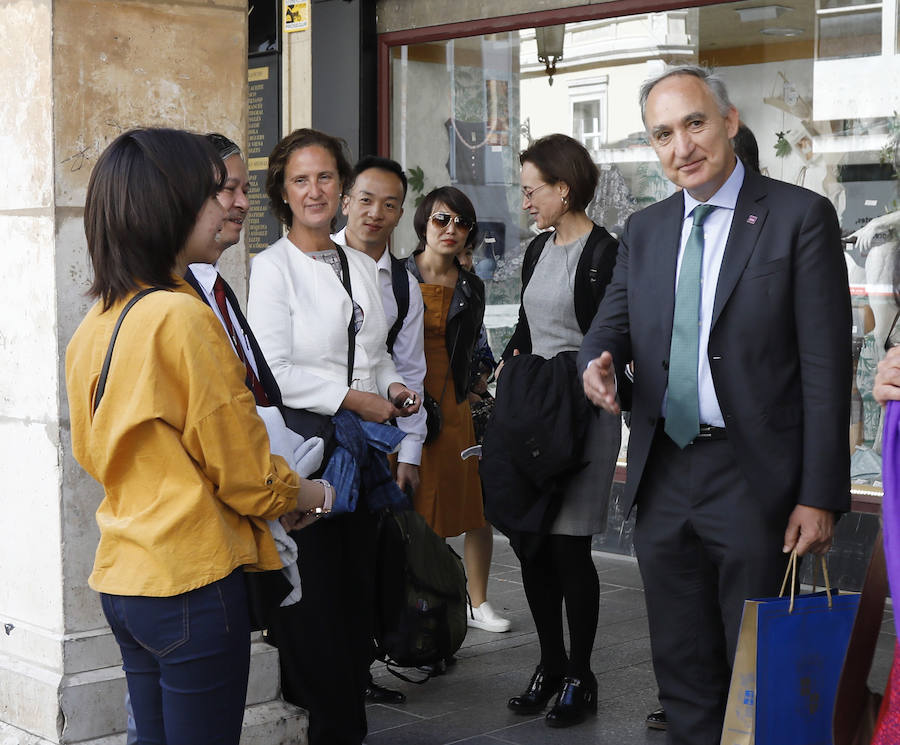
443, 219
529, 193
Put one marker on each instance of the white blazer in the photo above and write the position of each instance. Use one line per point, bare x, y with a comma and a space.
299, 311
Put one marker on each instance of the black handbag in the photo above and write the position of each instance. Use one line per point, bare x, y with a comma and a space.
433, 419
265, 590
308, 423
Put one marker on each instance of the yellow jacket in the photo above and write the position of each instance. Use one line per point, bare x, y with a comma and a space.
177, 445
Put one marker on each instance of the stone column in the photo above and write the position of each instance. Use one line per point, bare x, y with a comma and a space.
76, 74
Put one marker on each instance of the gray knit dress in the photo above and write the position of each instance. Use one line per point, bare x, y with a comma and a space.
549, 302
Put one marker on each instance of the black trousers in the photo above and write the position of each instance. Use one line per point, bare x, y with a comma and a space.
325, 640
704, 545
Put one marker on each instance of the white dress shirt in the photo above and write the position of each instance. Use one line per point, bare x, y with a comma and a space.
409, 351
206, 275
716, 228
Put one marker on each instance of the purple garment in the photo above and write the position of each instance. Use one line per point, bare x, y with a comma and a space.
890, 508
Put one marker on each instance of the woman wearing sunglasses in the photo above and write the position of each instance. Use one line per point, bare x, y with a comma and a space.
449, 495
564, 275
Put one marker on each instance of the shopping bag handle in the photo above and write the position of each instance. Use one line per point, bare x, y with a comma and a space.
791, 572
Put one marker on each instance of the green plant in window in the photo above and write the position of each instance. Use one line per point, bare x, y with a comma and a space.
416, 179
782, 146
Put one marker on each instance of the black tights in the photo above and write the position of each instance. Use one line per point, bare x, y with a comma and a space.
562, 569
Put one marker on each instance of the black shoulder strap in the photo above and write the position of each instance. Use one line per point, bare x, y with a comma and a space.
400, 286
351, 327
594, 272
531, 260
600, 264
104, 371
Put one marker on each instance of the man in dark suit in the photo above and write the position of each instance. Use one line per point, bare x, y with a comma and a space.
731, 299
217, 293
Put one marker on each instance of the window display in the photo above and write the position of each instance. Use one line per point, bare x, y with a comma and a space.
810, 79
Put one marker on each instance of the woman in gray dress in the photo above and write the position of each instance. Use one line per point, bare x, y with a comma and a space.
564, 276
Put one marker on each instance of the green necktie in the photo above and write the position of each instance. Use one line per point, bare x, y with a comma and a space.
683, 404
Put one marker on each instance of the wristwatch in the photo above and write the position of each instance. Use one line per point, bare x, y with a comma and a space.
328, 501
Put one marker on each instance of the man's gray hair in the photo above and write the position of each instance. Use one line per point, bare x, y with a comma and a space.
225, 147
713, 82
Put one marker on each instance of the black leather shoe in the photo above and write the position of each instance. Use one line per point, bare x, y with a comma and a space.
657, 719
575, 701
377, 694
540, 690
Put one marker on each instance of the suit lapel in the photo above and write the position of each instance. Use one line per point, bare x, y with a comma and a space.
750, 215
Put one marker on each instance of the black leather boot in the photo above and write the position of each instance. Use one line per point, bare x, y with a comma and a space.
540, 690
576, 699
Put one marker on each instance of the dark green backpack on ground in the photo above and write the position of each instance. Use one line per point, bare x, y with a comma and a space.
420, 592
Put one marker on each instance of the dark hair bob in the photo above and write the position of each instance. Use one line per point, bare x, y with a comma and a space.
560, 158
297, 140
143, 199
452, 198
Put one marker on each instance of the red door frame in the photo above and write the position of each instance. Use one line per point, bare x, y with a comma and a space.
498, 25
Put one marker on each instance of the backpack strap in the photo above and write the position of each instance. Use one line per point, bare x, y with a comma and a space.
104, 371
600, 265
531, 259
400, 286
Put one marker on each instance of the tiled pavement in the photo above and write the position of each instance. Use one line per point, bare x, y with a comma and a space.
468, 704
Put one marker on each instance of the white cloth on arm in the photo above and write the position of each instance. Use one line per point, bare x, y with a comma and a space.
305, 457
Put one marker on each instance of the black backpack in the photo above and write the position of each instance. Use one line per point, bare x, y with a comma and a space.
400, 287
420, 591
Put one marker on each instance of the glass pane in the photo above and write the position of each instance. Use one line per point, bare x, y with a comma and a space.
823, 111
585, 118
855, 34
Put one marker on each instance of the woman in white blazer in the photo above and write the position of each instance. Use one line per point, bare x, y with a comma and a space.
299, 310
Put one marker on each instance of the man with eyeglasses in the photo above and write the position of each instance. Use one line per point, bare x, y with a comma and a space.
373, 204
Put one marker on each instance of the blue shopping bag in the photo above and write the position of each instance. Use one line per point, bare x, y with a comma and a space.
786, 668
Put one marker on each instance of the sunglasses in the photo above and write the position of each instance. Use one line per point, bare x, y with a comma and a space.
443, 219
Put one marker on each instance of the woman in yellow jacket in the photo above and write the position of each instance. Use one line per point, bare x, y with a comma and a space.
183, 457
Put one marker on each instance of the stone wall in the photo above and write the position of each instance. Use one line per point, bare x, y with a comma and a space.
77, 73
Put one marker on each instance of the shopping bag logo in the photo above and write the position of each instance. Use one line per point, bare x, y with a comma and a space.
810, 693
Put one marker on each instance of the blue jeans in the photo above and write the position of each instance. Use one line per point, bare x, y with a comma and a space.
186, 659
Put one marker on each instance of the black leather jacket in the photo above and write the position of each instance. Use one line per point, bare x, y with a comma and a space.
463, 324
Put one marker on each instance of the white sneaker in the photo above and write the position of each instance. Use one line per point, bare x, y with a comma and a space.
485, 618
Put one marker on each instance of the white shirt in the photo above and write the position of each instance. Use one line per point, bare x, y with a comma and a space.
409, 351
206, 275
298, 310
716, 227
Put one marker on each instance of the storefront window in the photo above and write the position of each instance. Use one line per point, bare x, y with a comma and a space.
813, 80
